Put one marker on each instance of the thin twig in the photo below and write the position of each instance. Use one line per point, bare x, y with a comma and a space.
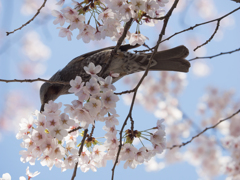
33, 80
38, 11
119, 42
210, 57
93, 127
215, 31
121, 39
156, 18
140, 82
132, 125
211, 127
193, 27
79, 153
145, 45
75, 129
126, 92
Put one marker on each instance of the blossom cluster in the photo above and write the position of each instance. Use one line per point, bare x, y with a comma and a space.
51, 136
158, 94
108, 16
206, 155
7, 176
232, 167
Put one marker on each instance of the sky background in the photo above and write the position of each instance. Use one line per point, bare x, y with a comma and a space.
222, 72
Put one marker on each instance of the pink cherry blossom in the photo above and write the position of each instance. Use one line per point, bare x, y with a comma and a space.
76, 85
137, 39
31, 175
60, 18
65, 32
109, 99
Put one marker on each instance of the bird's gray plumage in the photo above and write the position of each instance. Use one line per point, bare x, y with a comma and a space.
123, 63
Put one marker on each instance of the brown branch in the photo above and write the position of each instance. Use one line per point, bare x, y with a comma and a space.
93, 127
79, 153
132, 125
121, 39
145, 45
119, 42
207, 128
215, 31
193, 27
75, 129
159, 18
126, 92
140, 82
38, 11
210, 57
207, 22
33, 80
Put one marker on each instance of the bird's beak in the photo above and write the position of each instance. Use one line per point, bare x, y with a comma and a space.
42, 108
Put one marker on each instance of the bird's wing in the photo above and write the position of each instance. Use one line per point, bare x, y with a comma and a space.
75, 67
122, 48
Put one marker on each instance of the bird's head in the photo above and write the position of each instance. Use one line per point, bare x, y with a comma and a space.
49, 92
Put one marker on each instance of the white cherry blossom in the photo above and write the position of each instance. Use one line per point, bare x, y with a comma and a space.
60, 18
92, 69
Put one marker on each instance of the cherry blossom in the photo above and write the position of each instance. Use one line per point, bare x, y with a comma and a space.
76, 85
31, 175
60, 2
60, 18
46, 138
107, 84
65, 32
93, 86
139, 4
91, 69
93, 106
86, 33
137, 38
109, 99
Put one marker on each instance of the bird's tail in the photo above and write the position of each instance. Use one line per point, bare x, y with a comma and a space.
171, 60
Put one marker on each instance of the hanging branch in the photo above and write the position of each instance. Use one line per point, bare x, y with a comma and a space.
119, 42
193, 27
126, 92
140, 82
33, 80
210, 57
215, 31
211, 127
38, 11
75, 129
79, 153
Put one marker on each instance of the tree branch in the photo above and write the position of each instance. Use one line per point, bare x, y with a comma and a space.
210, 57
141, 80
33, 80
193, 27
75, 129
119, 42
215, 31
79, 153
38, 11
207, 128
93, 127
126, 92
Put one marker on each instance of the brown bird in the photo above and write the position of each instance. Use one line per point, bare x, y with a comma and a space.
123, 63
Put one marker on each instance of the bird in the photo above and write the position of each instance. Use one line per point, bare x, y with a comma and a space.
123, 62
